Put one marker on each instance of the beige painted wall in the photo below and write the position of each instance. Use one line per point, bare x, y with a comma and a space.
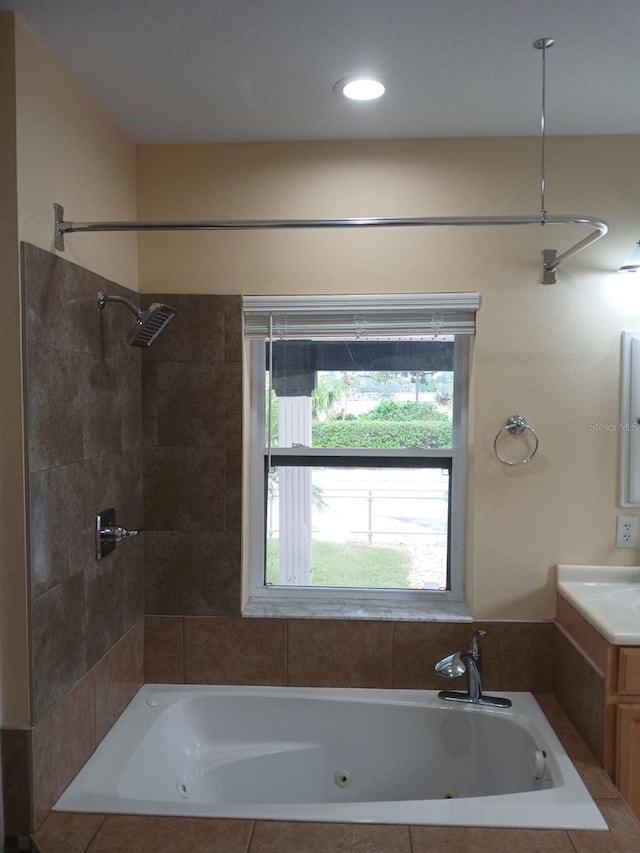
56, 145
70, 152
550, 353
13, 595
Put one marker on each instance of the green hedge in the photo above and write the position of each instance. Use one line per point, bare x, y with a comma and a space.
371, 433
391, 410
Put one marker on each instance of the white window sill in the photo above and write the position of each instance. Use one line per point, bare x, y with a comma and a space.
319, 608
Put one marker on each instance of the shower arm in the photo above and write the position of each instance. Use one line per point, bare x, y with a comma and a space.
551, 258
102, 298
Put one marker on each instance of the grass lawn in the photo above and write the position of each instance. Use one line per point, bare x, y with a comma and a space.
345, 564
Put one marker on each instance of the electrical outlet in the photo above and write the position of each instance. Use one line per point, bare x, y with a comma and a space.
627, 531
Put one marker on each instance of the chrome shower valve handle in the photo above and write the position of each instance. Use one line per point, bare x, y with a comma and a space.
117, 534
109, 534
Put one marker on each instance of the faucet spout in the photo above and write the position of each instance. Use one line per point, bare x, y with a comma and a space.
474, 647
474, 689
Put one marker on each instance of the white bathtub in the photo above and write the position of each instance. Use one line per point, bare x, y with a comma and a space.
383, 756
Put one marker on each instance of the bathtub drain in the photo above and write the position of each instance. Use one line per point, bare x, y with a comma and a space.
342, 778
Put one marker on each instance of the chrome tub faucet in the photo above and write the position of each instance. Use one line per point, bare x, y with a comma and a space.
468, 661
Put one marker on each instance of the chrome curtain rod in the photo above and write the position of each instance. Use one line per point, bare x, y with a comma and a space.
551, 258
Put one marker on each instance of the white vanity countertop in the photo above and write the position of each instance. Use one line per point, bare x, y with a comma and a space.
607, 596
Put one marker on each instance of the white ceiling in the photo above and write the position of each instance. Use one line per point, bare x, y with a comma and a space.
239, 70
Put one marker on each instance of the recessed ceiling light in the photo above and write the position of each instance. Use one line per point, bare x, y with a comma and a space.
360, 88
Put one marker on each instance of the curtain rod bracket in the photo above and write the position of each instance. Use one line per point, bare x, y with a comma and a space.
549, 266
59, 229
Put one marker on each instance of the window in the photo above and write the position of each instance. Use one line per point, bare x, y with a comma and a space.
358, 432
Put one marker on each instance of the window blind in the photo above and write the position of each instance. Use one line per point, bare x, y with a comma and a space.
367, 317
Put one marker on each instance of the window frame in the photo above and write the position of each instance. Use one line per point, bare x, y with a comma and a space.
256, 592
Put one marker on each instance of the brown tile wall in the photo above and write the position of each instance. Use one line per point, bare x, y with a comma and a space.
38, 764
340, 653
16, 789
580, 689
84, 428
192, 400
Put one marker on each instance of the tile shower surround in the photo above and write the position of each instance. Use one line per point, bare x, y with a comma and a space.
192, 403
37, 764
89, 447
84, 453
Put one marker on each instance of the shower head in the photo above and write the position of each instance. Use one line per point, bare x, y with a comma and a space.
149, 323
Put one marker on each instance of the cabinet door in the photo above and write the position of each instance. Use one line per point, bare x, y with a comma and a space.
629, 672
628, 755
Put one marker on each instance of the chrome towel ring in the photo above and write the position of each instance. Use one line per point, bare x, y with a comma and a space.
516, 425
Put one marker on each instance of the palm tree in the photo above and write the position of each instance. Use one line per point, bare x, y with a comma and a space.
326, 396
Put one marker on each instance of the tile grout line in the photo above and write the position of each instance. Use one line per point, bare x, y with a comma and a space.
286, 653
182, 655
251, 834
576, 850
97, 830
393, 654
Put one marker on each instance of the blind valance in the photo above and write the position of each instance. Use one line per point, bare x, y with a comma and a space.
374, 317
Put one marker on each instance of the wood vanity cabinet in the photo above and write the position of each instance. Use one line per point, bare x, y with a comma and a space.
628, 755
615, 735
627, 777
